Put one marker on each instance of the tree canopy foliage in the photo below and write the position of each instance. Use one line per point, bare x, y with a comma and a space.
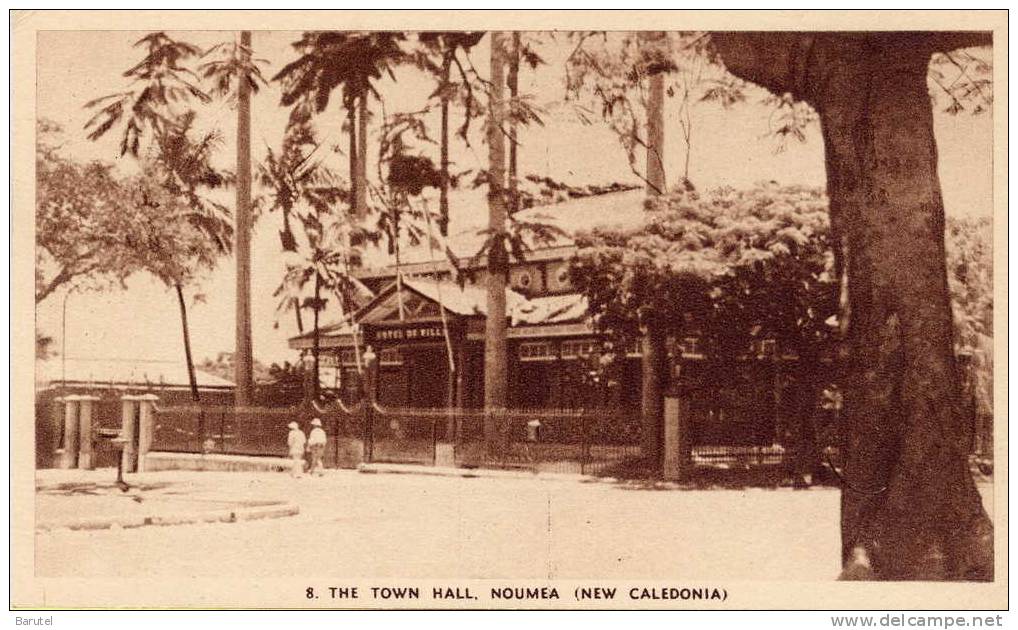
729, 266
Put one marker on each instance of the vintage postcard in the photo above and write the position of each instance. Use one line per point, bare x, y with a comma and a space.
509, 310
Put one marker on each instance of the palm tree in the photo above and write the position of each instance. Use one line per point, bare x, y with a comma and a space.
307, 192
352, 61
235, 65
162, 88
440, 53
198, 231
520, 111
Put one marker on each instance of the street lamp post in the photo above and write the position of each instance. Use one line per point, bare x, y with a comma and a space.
63, 341
308, 365
368, 404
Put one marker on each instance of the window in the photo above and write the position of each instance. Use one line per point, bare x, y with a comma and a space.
690, 347
536, 351
523, 279
578, 348
390, 356
562, 277
347, 356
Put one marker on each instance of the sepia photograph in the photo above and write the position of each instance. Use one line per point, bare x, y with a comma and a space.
509, 310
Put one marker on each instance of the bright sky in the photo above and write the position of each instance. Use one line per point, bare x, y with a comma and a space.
729, 147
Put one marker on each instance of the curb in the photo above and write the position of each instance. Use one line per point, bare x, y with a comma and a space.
471, 473
278, 510
158, 461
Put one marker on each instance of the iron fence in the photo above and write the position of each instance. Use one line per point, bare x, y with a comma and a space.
568, 441
585, 441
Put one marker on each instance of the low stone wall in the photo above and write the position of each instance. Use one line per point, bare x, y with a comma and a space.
162, 460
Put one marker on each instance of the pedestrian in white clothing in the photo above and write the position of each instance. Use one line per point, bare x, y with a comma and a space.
316, 444
295, 441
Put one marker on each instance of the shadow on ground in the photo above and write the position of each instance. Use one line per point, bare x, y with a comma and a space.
632, 475
97, 489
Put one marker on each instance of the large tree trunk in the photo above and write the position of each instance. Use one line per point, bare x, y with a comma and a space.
188, 358
443, 191
243, 359
910, 508
654, 354
656, 184
653, 360
495, 347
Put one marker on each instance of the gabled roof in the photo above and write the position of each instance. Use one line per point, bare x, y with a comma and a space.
466, 301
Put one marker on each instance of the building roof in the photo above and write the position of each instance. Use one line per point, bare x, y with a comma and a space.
138, 372
465, 301
619, 210
552, 309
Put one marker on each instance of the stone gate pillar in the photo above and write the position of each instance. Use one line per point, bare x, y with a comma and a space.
86, 431
69, 445
146, 426
128, 431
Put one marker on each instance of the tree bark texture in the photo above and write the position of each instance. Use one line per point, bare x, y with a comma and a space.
654, 376
351, 123
443, 191
656, 184
363, 114
243, 356
910, 508
188, 358
514, 91
495, 345
654, 356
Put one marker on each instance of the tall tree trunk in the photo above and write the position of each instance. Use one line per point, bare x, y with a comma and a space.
495, 347
656, 184
443, 165
929, 523
243, 359
316, 343
653, 362
910, 508
362, 154
191, 378
351, 122
514, 91
296, 312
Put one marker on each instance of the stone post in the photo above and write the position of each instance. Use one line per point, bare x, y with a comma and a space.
129, 433
146, 426
678, 443
69, 447
86, 431
55, 446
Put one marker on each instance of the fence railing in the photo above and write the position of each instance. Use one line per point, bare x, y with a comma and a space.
586, 441
581, 441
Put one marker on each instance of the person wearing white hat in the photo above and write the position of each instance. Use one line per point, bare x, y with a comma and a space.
316, 444
295, 441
